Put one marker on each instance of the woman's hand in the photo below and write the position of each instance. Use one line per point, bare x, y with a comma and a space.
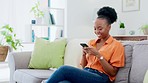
83, 60
91, 51
84, 52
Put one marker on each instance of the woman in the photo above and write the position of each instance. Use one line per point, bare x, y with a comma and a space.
101, 60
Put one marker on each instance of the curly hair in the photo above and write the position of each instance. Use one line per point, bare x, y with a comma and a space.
107, 13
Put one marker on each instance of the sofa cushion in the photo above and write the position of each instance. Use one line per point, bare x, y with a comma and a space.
31, 75
48, 54
73, 52
139, 62
123, 73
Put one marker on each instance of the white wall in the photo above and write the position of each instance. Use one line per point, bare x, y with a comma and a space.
4, 15
79, 16
20, 18
80, 13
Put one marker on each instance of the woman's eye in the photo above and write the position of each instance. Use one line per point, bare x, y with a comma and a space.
100, 29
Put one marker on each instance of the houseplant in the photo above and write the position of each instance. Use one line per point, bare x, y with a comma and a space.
144, 29
7, 39
38, 13
122, 25
121, 30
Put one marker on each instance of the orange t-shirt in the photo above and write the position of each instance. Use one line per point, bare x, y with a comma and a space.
113, 53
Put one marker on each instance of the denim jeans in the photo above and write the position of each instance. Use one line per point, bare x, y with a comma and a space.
68, 74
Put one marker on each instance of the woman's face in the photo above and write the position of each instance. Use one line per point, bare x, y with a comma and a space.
101, 28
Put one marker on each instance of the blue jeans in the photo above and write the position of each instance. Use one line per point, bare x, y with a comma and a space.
68, 74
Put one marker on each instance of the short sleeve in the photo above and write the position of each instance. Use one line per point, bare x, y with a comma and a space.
117, 59
91, 42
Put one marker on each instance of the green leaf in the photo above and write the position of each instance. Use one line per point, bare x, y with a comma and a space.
122, 25
3, 33
11, 29
144, 26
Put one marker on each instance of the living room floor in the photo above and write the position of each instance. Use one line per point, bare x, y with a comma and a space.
4, 72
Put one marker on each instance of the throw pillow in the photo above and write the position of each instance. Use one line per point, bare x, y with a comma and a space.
146, 77
123, 73
47, 54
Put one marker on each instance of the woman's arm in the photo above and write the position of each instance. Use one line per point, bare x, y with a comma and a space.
112, 71
83, 60
106, 66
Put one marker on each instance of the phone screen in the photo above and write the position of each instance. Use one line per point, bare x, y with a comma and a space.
83, 45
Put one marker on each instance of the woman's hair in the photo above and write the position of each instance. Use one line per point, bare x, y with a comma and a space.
107, 13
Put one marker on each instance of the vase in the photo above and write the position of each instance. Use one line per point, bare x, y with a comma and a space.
121, 31
145, 31
39, 20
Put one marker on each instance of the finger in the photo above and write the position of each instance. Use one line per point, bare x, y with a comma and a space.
85, 48
84, 51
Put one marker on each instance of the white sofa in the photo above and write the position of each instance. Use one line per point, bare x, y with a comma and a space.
136, 56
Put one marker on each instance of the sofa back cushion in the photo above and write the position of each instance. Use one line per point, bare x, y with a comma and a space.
123, 73
73, 52
139, 62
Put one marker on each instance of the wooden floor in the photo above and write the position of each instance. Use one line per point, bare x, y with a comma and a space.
4, 72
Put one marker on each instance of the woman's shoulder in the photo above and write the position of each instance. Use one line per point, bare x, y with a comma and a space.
118, 43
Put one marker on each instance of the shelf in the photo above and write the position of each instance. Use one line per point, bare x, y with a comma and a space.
131, 37
55, 9
52, 28
46, 25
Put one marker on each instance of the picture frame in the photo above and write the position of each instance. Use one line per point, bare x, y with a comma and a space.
130, 5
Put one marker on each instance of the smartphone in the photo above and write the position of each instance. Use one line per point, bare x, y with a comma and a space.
83, 44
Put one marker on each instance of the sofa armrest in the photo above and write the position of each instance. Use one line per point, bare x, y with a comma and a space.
18, 60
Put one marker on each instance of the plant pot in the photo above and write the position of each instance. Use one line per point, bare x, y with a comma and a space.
121, 31
39, 20
3, 53
145, 31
